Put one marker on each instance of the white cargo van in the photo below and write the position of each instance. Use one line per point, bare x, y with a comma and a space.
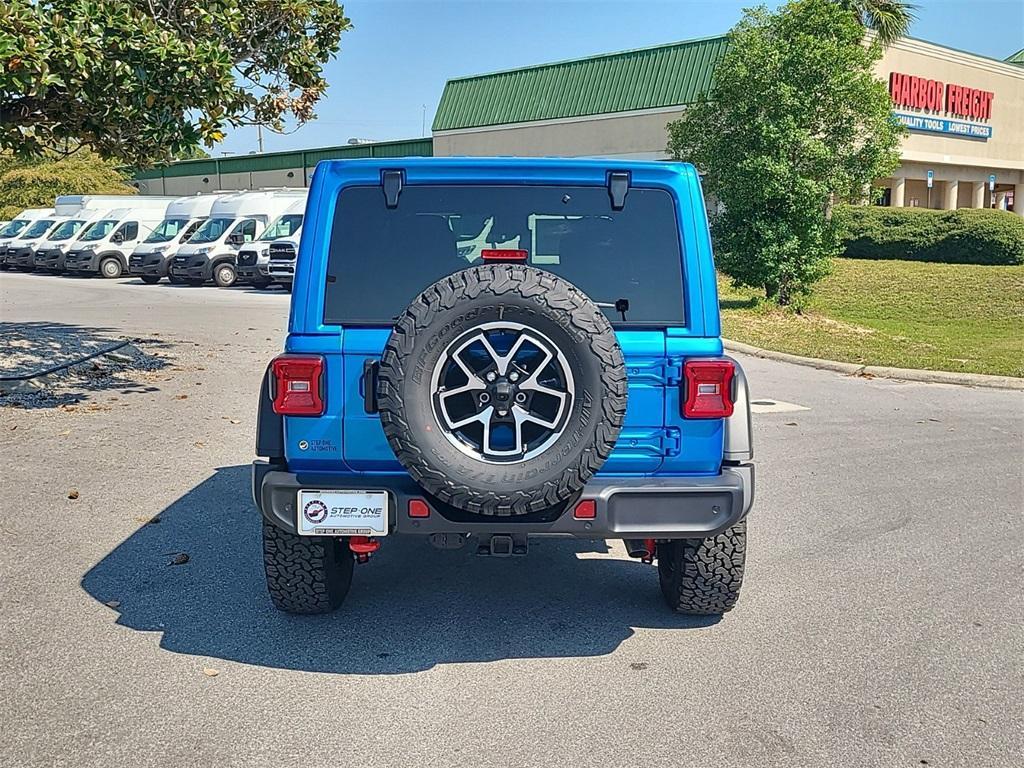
152, 257
254, 258
234, 221
16, 226
21, 249
74, 212
105, 245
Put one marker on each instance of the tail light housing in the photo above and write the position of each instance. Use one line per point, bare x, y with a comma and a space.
708, 389
585, 510
298, 385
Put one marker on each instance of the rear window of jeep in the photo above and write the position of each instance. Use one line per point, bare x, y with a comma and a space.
381, 259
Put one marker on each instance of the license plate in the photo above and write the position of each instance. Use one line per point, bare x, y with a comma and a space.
343, 513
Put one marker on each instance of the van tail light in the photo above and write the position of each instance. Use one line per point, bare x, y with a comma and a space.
298, 383
708, 389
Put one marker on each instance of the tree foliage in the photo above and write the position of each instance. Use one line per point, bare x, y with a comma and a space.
889, 19
794, 122
35, 184
141, 81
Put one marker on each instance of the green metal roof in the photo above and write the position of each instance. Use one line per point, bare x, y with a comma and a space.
1017, 58
645, 78
300, 158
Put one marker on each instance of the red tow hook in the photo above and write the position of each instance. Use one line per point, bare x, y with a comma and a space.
362, 547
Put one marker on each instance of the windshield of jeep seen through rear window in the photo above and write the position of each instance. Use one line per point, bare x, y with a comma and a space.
381, 259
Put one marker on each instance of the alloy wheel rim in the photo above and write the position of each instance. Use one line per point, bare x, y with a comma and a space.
502, 393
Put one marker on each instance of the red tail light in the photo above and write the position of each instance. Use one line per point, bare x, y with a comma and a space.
708, 389
585, 510
504, 254
418, 508
298, 385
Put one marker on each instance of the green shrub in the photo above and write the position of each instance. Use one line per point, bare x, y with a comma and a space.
964, 236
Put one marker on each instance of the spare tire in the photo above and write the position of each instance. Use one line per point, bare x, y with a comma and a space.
502, 390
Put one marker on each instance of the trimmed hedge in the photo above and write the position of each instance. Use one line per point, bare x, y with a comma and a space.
964, 236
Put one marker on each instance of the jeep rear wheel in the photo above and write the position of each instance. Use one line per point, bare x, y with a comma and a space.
502, 390
702, 577
305, 574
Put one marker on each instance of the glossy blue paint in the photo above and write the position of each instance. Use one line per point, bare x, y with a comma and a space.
655, 438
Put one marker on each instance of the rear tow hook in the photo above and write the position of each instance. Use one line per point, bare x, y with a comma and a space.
645, 549
362, 547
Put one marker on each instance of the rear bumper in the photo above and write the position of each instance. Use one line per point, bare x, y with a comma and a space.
626, 508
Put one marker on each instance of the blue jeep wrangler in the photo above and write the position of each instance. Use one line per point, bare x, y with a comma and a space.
481, 351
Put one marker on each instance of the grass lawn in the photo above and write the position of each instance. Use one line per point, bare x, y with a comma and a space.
949, 317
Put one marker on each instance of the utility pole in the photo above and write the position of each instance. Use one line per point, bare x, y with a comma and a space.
423, 122
259, 137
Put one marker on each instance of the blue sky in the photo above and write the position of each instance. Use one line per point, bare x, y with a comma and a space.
399, 54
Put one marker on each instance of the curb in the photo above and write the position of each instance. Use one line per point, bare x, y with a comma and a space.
905, 374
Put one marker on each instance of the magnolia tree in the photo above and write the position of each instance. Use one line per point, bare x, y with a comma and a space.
140, 81
795, 121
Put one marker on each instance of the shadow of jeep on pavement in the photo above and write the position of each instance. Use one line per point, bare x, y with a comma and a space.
411, 607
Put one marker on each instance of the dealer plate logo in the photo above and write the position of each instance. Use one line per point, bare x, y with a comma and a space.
315, 511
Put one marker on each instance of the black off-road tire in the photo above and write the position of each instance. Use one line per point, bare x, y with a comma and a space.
150, 279
702, 577
305, 574
494, 293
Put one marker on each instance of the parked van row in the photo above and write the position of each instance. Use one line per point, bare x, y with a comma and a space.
219, 237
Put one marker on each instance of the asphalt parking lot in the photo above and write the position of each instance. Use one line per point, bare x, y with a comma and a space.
881, 622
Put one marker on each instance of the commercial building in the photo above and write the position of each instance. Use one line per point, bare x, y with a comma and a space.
964, 112
258, 171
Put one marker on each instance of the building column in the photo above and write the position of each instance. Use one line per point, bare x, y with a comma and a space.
980, 191
1018, 200
951, 192
897, 199
1001, 199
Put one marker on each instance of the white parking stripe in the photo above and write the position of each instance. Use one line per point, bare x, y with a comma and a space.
767, 405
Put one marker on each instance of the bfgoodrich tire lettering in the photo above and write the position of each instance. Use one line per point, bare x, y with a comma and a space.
305, 574
520, 296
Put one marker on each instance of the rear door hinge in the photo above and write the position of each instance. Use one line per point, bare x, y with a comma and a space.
671, 442
672, 371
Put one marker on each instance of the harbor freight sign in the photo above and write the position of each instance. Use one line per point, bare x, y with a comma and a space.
936, 96
942, 125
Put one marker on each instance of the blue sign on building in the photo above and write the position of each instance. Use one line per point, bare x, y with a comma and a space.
942, 125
